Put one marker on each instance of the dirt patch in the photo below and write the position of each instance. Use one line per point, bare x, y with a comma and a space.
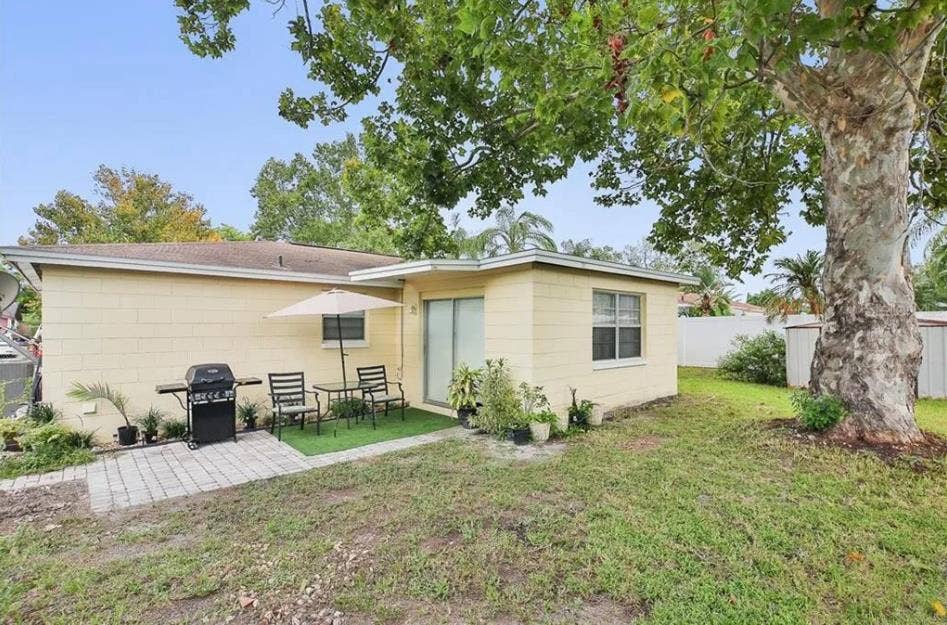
180, 611
439, 543
341, 495
642, 443
43, 505
601, 611
625, 412
918, 456
505, 450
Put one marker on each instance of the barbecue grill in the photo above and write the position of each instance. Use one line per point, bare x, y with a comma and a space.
210, 402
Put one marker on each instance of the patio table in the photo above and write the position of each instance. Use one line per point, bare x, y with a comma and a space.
343, 390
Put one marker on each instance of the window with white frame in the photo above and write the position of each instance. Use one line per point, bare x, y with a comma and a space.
353, 327
616, 326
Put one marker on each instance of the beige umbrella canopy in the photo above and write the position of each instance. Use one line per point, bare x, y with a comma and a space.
335, 302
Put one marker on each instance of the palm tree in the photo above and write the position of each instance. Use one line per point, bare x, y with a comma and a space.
714, 291
515, 233
797, 287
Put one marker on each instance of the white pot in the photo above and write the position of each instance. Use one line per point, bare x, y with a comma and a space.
539, 431
597, 416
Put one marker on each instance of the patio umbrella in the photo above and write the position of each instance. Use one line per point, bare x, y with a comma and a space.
335, 302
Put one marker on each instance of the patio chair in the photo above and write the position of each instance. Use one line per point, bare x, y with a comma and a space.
376, 385
288, 394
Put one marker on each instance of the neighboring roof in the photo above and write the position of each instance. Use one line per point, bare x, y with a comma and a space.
923, 323
272, 260
692, 299
401, 270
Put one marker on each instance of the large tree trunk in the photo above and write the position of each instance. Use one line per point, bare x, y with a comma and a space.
869, 350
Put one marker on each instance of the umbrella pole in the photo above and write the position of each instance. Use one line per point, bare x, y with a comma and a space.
338, 320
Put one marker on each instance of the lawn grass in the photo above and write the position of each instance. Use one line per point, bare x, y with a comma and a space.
931, 414
416, 421
691, 511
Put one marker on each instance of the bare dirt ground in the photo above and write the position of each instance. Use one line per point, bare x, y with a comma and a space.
43, 505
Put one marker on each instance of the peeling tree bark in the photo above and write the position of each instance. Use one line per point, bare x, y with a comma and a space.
869, 350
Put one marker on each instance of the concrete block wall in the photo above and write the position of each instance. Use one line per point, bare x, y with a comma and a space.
136, 329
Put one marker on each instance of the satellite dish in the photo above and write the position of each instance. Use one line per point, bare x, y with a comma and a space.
9, 289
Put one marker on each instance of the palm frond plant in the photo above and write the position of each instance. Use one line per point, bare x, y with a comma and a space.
714, 293
797, 286
128, 433
515, 233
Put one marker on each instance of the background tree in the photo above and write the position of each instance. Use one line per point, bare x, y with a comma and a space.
930, 279
713, 291
226, 232
759, 298
586, 249
514, 233
132, 207
797, 286
317, 200
717, 110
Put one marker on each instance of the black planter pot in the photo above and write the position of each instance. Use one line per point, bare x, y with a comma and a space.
518, 436
151, 438
11, 445
127, 435
249, 424
464, 414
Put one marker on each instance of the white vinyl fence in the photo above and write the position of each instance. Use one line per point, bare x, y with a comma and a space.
701, 341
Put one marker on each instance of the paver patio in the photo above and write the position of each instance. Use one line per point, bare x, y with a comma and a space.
140, 476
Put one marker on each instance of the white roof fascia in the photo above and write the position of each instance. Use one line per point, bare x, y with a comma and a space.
519, 258
24, 256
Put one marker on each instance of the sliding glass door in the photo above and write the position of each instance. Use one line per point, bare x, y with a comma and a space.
453, 334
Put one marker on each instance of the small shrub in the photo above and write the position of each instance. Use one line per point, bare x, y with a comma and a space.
502, 409
580, 411
41, 414
349, 408
817, 412
544, 416
248, 412
760, 359
150, 421
12, 429
174, 428
48, 438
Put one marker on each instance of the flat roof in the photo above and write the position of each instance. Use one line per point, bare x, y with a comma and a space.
401, 270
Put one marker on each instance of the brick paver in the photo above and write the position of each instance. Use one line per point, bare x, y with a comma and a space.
141, 476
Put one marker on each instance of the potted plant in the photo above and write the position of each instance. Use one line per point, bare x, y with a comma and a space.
540, 424
248, 412
517, 430
149, 423
128, 433
581, 412
462, 393
10, 431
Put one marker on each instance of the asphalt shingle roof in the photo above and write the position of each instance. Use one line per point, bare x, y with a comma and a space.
296, 258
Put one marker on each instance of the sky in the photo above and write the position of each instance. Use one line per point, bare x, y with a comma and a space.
105, 82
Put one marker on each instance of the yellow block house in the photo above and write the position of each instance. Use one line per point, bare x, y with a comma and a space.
138, 315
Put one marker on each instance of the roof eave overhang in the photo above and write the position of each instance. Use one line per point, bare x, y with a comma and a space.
28, 261
404, 270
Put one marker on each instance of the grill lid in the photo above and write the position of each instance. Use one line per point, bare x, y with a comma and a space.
209, 374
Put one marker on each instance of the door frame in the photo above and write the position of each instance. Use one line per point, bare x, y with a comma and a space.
424, 338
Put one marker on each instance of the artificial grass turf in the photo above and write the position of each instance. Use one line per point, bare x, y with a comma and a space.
416, 421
